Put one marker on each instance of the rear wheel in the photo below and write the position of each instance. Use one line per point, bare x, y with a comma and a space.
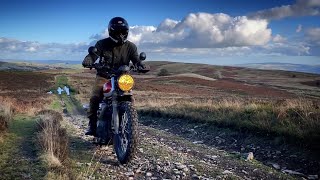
126, 141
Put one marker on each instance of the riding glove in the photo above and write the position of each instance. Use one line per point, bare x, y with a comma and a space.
88, 61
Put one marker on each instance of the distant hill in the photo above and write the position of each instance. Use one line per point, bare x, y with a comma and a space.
173, 67
71, 62
10, 66
284, 66
37, 65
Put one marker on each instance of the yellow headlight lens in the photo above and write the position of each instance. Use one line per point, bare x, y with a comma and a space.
125, 82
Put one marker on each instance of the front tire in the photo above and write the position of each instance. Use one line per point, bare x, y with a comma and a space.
126, 141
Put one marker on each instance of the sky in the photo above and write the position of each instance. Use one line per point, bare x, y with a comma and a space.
222, 32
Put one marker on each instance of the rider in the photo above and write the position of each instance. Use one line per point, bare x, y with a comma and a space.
116, 51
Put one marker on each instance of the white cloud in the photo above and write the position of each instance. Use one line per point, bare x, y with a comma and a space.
14, 45
203, 30
300, 8
279, 39
138, 34
197, 36
313, 35
284, 49
299, 28
13, 48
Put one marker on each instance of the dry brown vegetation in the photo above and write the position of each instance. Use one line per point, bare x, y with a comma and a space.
53, 140
297, 119
26, 90
246, 99
6, 114
52, 137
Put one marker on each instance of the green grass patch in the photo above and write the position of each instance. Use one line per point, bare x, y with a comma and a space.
56, 105
69, 102
18, 152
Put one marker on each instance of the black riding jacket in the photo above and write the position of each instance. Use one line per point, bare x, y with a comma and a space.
115, 55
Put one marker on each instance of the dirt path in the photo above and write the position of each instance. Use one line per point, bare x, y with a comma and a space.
270, 151
162, 154
18, 152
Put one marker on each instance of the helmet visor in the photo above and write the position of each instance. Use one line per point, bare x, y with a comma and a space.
121, 31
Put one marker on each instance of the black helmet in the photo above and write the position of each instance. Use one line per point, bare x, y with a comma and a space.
118, 29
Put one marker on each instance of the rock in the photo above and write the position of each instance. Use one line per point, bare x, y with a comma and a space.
131, 178
292, 172
141, 150
138, 170
185, 169
79, 164
129, 173
197, 142
176, 172
250, 156
242, 149
148, 174
194, 176
158, 168
211, 157
245, 172
192, 167
227, 172
203, 161
276, 166
88, 164
181, 166
313, 177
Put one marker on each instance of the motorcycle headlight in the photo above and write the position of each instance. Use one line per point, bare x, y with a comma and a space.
125, 82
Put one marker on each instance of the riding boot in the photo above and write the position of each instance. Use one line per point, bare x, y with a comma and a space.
92, 127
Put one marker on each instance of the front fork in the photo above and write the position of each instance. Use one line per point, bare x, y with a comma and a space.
115, 110
115, 114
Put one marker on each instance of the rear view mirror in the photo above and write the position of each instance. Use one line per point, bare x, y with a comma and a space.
142, 56
92, 50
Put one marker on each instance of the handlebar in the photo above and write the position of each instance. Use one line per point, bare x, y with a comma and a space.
106, 68
98, 66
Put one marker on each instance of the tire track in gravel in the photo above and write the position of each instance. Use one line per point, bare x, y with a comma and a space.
160, 155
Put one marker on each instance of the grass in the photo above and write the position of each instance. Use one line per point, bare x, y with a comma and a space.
6, 114
295, 119
26, 95
69, 102
54, 143
18, 152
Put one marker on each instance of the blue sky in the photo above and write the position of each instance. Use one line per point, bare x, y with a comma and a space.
201, 31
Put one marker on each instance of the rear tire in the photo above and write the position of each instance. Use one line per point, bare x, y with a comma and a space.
126, 141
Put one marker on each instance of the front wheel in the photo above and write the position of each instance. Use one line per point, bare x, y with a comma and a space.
126, 141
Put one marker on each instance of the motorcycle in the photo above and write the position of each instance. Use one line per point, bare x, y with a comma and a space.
117, 117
